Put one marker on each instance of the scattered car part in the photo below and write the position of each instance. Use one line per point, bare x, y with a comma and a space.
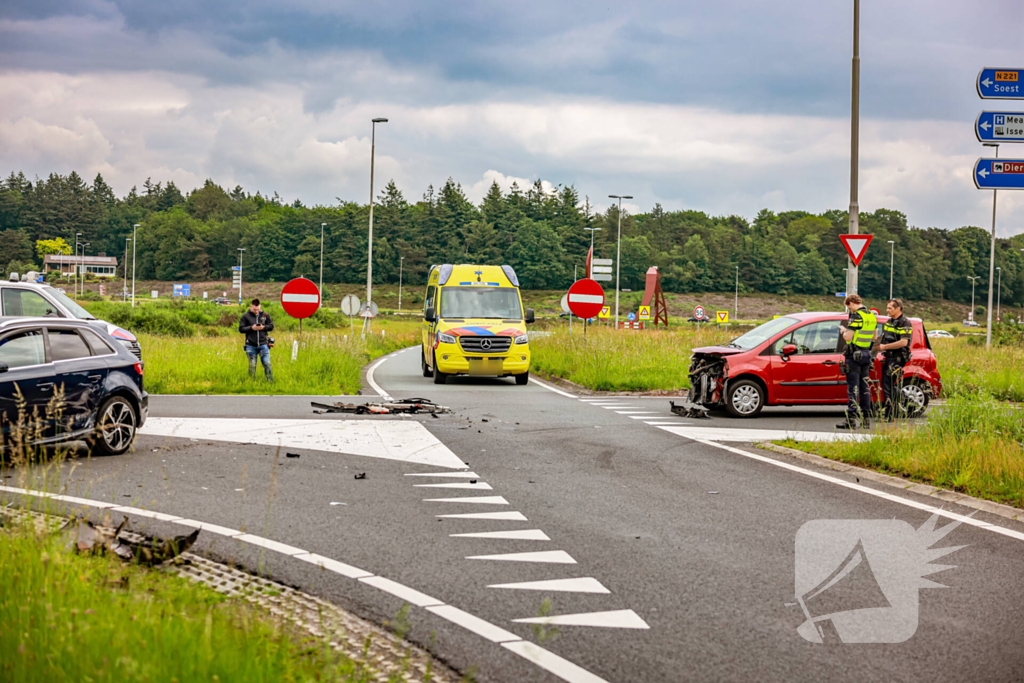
405, 405
691, 410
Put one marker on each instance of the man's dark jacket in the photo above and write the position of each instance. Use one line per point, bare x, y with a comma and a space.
255, 337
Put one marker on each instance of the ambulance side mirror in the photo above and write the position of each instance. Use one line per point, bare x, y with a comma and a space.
529, 316
429, 315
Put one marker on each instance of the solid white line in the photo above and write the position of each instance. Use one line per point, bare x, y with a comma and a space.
516, 535
546, 659
485, 500
551, 388
270, 545
585, 584
503, 516
493, 633
460, 475
562, 668
376, 387
480, 485
864, 489
645, 416
623, 618
549, 556
637, 412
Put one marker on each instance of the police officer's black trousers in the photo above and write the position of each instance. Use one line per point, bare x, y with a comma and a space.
892, 387
858, 395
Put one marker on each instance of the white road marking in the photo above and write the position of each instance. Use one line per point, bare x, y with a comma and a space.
376, 387
493, 633
659, 423
535, 654
460, 475
484, 500
389, 439
515, 535
752, 435
586, 584
645, 416
637, 412
557, 665
548, 556
865, 489
623, 618
551, 388
270, 545
502, 516
459, 485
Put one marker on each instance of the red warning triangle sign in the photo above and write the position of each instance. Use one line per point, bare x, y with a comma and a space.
856, 246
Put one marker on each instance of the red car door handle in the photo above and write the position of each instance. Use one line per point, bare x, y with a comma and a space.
828, 362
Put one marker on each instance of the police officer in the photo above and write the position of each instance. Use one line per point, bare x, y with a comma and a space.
859, 334
895, 343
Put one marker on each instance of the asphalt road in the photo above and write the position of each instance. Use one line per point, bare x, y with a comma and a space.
691, 545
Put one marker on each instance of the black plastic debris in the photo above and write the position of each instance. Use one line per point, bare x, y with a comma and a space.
361, 475
408, 406
692, 410
291, 455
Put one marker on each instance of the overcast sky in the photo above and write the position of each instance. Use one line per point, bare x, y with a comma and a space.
724, 107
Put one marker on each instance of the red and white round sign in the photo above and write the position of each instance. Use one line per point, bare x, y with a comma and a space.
698, 312
300, 298
586, 298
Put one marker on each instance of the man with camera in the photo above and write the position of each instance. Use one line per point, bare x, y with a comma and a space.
255, 324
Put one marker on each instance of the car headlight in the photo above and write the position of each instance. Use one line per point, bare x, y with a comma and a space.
445, 338
523, 339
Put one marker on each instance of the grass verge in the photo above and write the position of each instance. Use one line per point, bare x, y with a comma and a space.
973, 444
971, 368
69, 617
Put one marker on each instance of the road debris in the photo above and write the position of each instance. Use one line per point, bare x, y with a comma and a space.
692, 410
361, 475
401, 406
91, 539
291, 455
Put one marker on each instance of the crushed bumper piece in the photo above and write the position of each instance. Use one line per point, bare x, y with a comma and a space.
405, 405
691, 410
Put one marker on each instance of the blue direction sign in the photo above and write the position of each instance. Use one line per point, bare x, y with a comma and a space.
999, 174
1001, 84
1000, 126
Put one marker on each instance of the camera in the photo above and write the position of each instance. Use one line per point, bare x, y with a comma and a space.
270, 342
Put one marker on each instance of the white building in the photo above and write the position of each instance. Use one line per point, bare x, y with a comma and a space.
100, 266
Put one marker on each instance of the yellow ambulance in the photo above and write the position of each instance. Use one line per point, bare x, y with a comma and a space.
474, 323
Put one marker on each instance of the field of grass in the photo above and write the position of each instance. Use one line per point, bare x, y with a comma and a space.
69, 617
967, 369
973, 444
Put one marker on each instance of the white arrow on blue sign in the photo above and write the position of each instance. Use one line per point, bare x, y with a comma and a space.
1000, 126
1001, 84
999, 174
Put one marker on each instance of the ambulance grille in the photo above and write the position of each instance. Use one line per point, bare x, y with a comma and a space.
486, 344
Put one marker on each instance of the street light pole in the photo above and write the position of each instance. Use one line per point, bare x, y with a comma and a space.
892, 253
322, 260
369, 251
74, 264
401, 262
592, 231
736, 303
135, 241
973, 279
851, 285
84, 245
240, 254
124, 288
992, 259
618, 254
999, 294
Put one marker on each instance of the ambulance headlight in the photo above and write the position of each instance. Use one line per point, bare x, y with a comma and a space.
445, 338
523, 339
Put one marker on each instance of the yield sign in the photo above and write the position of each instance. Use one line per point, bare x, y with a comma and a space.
856, 246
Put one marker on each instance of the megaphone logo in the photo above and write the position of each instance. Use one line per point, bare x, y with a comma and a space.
858, 580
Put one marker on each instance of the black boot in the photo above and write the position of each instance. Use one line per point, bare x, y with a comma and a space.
847, 424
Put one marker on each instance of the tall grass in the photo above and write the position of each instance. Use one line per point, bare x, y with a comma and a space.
968, 369
622, 360
973, 444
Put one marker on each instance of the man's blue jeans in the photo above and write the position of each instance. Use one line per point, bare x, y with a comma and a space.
263, 351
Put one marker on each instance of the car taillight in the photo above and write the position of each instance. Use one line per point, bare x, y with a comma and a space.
138, 369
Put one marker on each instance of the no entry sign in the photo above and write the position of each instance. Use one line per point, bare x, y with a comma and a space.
586, 298
300, 298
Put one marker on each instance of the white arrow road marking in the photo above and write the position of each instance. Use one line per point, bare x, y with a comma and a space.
549, 556
983, 173
623, 618
301, 298
460, 475
586, 584
516, 535
389, 439
502, 516
459, 485
485, 500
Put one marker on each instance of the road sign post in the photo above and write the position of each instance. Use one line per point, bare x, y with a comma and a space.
350, 307
585, 299
601, 269
300, 298
368, 311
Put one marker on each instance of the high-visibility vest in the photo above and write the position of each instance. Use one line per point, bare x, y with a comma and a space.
864, 330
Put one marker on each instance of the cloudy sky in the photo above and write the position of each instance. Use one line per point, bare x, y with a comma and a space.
724, 107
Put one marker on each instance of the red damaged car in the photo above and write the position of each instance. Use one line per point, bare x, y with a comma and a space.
796, 360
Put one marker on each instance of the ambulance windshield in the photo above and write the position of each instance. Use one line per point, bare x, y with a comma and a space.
480, 302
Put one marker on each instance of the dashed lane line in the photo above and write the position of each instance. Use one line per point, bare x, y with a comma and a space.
557, 665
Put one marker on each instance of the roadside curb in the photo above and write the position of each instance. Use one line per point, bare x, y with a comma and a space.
1007, 511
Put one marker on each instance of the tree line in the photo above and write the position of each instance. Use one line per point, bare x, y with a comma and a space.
543, 234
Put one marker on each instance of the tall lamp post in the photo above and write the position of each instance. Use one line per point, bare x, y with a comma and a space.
401, 262
82, 262
618, 253
892, 253
851, 285
973, 279
74, 263
999, 294
135, 242
322, 260
369, 256
591, 231
124, 288
992, 258
736, 303
241, 250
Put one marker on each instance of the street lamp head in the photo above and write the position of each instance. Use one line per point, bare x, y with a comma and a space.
323, 224
137, 225
890, 242
379, 120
